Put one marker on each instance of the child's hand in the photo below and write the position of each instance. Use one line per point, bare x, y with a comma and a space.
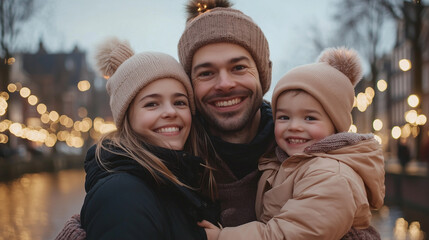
211, 230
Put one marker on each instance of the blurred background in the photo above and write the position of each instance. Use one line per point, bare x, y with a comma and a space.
53, 103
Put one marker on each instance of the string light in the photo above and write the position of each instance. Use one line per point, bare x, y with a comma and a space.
75, 137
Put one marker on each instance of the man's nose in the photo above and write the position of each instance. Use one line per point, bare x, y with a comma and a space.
225, 81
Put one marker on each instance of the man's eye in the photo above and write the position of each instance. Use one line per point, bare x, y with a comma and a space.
205, 74
239, 67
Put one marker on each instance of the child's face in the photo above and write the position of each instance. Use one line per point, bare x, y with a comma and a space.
161, 114
300, 122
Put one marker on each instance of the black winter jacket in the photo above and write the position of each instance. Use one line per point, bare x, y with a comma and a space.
127, 203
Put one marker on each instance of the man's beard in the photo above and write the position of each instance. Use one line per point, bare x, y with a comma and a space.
244, 121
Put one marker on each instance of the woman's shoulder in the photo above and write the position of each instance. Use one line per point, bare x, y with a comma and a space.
120, 186
121, 198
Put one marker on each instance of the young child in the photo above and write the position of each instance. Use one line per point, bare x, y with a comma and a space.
323, 180
141, 178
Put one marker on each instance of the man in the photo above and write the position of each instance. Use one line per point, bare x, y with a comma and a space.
227, 57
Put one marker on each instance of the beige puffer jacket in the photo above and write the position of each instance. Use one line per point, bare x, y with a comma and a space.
319, 194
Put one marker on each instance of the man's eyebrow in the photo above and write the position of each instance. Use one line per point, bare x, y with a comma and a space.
202, 65
208, 64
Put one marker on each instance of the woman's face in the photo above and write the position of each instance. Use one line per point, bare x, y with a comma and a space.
160, 113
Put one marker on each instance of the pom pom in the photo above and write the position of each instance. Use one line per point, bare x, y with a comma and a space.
345, 60
197, 7
111, 54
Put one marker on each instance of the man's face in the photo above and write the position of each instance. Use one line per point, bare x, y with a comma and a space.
226, 83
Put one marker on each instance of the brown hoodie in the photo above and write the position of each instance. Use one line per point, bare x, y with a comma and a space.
319, 194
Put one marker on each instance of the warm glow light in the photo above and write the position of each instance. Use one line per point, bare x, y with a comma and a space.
82, 112
421, 119
362, 102
406, 130
400, 229
411, 116
382, 85
25, 92
405, 64
32, 100
51, 139
5, 95
396, 132
11, 87
106, 128
4, 138
413, 100
378, 138
44, 118
41, 108
54, 116
11, 61
414, 231
84, 85
377, 124
15, 128
369, 91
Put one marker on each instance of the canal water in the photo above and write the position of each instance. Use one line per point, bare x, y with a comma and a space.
36, 206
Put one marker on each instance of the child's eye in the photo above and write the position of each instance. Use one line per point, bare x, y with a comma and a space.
283, 117
150, 104
310, 118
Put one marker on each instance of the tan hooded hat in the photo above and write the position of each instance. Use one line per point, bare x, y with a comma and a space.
331, 81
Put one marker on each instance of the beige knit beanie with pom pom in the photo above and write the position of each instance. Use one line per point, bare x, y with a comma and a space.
129, 73
331, 81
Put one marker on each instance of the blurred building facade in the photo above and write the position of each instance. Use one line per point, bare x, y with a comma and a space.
392, 114
54, 79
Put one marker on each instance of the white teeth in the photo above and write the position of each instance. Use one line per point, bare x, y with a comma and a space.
167, 130
296, 141
228, 103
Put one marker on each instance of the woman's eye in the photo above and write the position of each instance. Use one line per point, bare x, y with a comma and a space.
181, 103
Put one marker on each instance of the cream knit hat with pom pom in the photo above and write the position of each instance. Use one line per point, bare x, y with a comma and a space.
129, 73
331, 81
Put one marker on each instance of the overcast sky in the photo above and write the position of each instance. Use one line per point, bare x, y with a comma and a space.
156, 25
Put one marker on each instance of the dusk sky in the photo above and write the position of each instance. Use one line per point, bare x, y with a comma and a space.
157, 26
